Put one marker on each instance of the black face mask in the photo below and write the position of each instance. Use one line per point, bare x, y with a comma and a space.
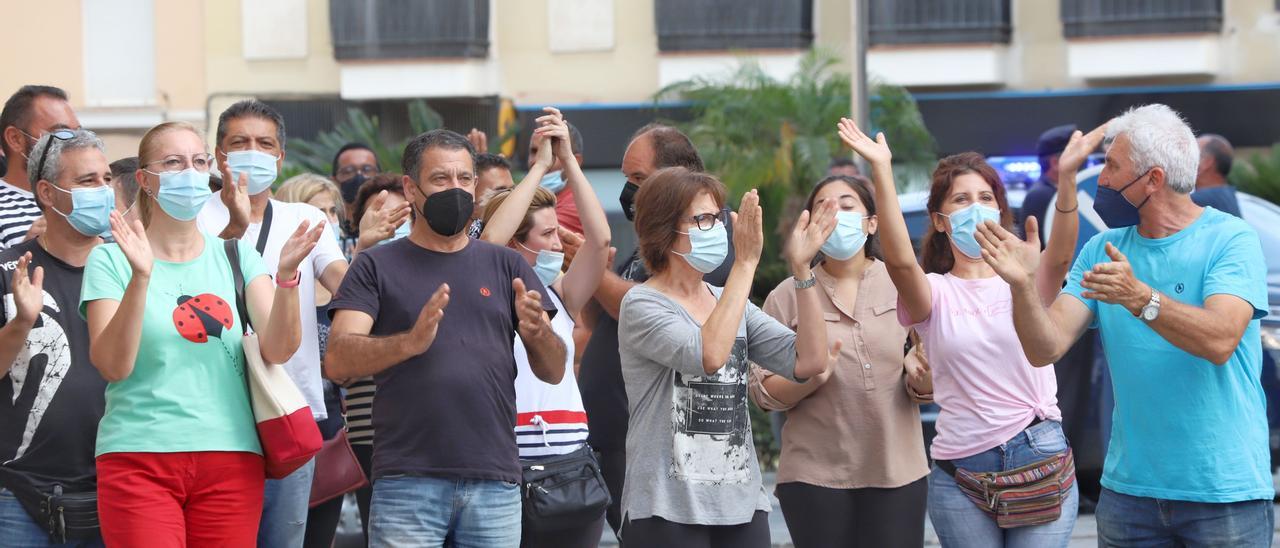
628, 200
351, 187
449, 211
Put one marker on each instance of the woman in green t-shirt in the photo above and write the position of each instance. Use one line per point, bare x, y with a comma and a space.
177, 451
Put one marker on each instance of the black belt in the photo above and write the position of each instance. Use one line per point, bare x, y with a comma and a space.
950, 468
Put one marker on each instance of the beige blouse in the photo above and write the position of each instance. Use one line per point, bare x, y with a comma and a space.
862, 427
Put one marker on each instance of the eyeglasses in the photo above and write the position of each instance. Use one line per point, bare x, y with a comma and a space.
350, 171
176, 162
707, 221
59, 134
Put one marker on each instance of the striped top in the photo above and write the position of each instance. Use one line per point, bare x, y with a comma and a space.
550, 419
360, 411
17, 211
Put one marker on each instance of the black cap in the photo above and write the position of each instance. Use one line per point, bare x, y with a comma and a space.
1054, 140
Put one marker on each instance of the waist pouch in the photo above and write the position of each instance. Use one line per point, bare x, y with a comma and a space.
67, 517
563, 492
1030, 495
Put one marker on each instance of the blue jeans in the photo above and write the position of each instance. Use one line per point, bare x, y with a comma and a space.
960, 523
18, 530
1125, 520
284, 509
424, 511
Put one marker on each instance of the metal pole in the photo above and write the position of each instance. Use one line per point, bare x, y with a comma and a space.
861, 99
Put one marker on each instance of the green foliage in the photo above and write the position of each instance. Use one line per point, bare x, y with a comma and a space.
1259, 174
754, 131
317, 156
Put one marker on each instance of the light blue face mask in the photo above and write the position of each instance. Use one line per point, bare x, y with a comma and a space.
553, 182
848, 237
183, 193
401, 231
259, 166
90, 209
707, 248
964, 224
548, 264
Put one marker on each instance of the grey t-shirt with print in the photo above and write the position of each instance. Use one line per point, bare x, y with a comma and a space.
690, 458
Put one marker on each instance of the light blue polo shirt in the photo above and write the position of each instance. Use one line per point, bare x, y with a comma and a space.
1184, 428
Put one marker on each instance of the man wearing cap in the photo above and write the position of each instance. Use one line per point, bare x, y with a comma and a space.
1050, 146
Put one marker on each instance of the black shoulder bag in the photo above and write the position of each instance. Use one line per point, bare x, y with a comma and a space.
564, 491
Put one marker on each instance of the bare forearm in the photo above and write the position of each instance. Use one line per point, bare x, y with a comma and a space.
506, 221
233, 231
13, 336
1042, 340
283, 333
351, 356
786, 392
610, 293
1198, 331
811, 329
114, 351
1055, 261
721, 327
547, 354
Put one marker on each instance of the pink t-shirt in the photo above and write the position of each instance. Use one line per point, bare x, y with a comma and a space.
987, 389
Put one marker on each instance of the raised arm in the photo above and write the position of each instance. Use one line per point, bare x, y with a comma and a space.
28, 301
352, 352
588, 266
895, 241
115, 327
721, 328
275, 310
1045, 332
1055, 260
506, 221
810, 232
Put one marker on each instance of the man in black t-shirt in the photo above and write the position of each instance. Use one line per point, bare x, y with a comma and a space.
604, 396
445, 454
51, 397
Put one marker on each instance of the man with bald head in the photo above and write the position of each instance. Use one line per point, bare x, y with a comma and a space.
1212, 188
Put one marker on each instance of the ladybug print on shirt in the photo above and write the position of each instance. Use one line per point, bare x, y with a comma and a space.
201, 317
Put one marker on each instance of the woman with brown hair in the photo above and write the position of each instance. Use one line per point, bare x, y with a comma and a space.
998, 412
853, 467
692, 477
177, 451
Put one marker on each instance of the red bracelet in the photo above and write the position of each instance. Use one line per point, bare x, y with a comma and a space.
297, 279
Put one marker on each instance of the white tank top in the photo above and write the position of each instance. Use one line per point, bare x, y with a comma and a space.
550, 419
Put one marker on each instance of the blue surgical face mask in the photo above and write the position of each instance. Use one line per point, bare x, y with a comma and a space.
401, 231
1114, 208
707, 248
90, 209
547, 266
259, 166
964, 224
183, 193
848, 237
553, 182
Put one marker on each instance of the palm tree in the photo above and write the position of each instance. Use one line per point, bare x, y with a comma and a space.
317, 156
1259, 175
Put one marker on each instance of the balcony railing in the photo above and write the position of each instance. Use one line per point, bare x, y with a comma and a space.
939, 21
690, 25
403, 29
1082, 18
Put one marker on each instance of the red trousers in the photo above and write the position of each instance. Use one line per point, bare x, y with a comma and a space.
208, 498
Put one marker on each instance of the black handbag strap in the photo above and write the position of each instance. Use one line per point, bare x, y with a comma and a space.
266, 229
233, 256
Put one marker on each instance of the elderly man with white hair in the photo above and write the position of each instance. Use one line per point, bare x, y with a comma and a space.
1177, 291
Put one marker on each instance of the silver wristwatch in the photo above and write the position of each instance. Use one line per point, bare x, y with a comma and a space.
1152, 309
813, 279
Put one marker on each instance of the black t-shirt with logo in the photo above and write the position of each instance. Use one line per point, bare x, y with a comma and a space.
451, 411
604, 396
52, 397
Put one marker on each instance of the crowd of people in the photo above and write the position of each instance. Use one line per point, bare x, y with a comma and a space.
502, 378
